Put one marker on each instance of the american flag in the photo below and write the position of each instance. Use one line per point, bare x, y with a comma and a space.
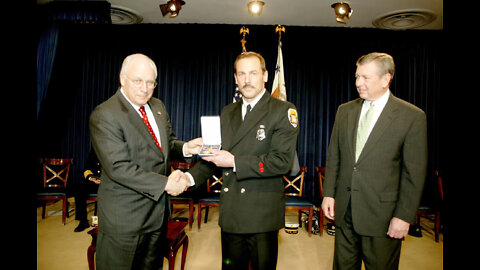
237, 95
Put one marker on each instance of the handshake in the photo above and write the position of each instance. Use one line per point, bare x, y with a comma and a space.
177, 183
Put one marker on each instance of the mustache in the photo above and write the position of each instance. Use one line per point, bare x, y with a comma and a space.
248, 85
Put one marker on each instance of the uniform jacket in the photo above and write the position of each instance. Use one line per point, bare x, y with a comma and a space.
388, 178
92, 166
131, 197
252, 198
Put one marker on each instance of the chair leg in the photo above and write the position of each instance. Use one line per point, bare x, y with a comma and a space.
300, 218
44, 206
64, 209
320, 222
206, 214
437, 226
67, 212
199, 215
171, 259
184, 252
190, 215
91, 257
310, 218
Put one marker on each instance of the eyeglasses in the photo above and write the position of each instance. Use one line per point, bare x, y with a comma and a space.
139, 83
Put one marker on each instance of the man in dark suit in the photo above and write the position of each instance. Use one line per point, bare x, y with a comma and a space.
375, 170
134, 146
258, 148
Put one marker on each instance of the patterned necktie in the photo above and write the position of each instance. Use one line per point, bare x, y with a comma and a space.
362, 131
249, 108
145, 119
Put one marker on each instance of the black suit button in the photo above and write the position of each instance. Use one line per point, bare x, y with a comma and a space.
348, 189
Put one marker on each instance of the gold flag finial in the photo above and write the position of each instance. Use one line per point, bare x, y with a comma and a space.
244, 30
279, 29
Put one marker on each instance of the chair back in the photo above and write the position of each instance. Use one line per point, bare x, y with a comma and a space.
183, 166
293, 185
214, 184
439, 185
55, 172
321, 179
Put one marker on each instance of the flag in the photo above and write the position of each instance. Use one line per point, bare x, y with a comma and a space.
278, 87
237, 95
279, 91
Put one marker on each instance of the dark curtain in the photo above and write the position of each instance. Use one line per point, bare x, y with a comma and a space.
195, 78
49, 16
45, 56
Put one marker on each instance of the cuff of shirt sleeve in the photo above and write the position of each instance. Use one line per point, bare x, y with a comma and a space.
192, 181
183, 151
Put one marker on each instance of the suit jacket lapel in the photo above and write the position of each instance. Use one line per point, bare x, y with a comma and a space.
161, 124
139, 125
243, 127
384, 121
236, 117
352, 125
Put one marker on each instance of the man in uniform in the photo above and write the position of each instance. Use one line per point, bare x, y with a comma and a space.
259, 136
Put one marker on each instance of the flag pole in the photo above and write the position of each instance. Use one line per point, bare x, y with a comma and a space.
237, 95
244, 30
279, 29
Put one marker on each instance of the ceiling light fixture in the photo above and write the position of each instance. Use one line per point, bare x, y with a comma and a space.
173, 7
342, 9
255, 7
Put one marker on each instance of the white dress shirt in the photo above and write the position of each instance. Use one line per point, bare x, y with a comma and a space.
378, 106
148, 111
252, 104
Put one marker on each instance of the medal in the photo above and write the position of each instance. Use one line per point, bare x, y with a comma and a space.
261, 133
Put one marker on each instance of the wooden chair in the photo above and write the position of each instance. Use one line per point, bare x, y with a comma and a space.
93, 197
321, 178
212, 198
187, 196
55, 176
294, 201
433, 212
176, 237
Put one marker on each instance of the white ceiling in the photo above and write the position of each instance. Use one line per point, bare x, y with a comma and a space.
284, 12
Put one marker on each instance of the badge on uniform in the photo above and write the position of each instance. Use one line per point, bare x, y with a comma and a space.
293, 117
261, 133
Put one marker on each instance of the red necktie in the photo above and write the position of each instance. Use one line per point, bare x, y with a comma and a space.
145, 119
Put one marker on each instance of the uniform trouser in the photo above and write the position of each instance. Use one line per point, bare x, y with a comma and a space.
382, 253
81, 192
259, 248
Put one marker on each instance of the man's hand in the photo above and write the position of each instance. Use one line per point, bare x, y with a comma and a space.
398, 228
328, 207
221, 158
95, 180
177, 183
193, 147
